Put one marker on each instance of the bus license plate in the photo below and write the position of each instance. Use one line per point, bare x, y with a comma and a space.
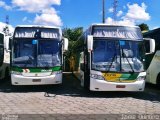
120, 86
36, 80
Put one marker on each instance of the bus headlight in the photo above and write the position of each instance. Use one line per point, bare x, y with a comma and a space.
99, 77
140, 78
16, 73
56, 73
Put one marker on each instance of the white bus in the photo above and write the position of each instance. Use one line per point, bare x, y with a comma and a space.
153, 61
37, 55
112, 58
4, 56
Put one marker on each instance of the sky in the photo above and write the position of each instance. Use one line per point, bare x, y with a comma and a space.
78, 13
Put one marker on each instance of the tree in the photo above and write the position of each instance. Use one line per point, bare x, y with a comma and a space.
73, 35
143, 27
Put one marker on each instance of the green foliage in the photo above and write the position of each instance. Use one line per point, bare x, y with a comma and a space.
73, 36
144, 27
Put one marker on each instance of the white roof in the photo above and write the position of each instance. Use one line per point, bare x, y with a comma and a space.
41, 26
101, 24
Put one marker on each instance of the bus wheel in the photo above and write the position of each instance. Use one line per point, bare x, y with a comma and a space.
158, 80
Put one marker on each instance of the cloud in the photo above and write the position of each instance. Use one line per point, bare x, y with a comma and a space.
124, 7
24, 19
131, 17
4, 5
34, 6
119, 13
110, 21
45, 13
110, 10
48, 17
2, 25
137, 12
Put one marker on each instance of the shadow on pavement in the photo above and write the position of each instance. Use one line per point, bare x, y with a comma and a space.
71, 87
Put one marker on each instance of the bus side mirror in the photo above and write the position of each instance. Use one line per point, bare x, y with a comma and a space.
149, 44
90, 43
65, 44
9, 44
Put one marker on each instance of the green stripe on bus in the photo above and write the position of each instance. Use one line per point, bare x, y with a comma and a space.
129, 76
34, 70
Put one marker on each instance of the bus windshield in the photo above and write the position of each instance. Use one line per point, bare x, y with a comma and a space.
118, 55
36, 53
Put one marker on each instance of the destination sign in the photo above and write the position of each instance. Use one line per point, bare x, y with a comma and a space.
36, 32
117, 32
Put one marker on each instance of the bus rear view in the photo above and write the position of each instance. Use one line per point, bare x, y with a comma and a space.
36, 55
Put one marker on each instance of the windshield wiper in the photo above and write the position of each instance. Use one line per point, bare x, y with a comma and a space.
124, 56
112, 62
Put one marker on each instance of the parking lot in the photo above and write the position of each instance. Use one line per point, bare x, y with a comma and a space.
71, 101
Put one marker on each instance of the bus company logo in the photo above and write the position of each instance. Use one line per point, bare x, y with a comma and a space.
26, 70
111, 76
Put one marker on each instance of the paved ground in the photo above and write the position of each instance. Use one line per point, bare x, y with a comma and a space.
70, 101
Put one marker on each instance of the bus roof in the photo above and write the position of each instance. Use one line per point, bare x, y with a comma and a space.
151, 31
40, 26
101, 24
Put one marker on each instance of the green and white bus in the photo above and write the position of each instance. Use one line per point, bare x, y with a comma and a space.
37, 55
153, 61
4, 56
112, 58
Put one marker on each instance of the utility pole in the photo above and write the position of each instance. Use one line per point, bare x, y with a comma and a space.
115, 5
103, 11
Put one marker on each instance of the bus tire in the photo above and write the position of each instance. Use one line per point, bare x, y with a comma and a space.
158, 80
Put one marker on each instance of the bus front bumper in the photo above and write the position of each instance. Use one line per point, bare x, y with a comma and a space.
102, 85
45, 80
